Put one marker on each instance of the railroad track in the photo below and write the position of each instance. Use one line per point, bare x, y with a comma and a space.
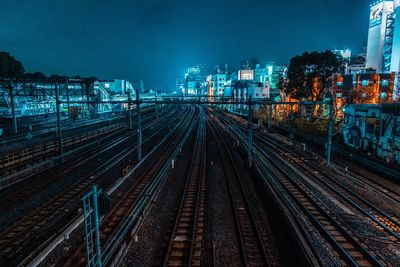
349, 250
380, 219
365, 180
15, 240
252, 243
185, 246
342, 167
32, 187
362, 180
16, 160
389, 223
118, 221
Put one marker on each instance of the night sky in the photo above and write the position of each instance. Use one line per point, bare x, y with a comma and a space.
155, 40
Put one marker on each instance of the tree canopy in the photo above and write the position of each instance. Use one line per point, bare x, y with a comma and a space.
10, 67
309, 75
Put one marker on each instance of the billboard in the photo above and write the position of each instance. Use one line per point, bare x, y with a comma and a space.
375, 16
246, 75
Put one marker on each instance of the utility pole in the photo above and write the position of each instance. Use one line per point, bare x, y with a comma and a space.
393, 138
330, 130
97, 227
59, 126
250, 133
88, 100
139, 127
14, 118
129, 109
67, 88
155, 98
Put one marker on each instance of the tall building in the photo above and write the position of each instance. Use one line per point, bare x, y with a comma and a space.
381, 12
219, 82
194, 79
395, 57
383, 50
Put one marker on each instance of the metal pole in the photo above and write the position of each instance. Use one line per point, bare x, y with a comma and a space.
97, 227
330, 130
59, 126
67, 88
139, 127
393, 138
88, 100
130, 110
14, 118
250, 133
155, 98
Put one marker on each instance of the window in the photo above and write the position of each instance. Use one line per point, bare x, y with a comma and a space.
365, 82
385, 83
339, 83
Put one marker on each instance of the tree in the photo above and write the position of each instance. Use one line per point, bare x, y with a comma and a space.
35, 76
362, 97
10, 67
309, 75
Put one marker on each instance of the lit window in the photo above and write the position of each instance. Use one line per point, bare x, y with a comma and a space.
385, 83
339, 83
365, 82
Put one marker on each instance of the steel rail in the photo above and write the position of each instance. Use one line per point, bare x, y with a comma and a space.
351, 250
249, 234
389, 223
119, 220
183, 238
11, 237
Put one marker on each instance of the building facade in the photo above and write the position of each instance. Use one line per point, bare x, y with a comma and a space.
383, 49
374, 129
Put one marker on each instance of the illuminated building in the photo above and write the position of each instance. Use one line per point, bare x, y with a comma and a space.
365, 88
219, 82
244, 89
383, 50
246, 75
194, 79
270, 76
263, 75
379, 14
395, 57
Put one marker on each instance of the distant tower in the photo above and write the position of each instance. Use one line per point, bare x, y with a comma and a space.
377, 32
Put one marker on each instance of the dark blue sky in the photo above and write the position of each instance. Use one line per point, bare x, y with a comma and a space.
154, 40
